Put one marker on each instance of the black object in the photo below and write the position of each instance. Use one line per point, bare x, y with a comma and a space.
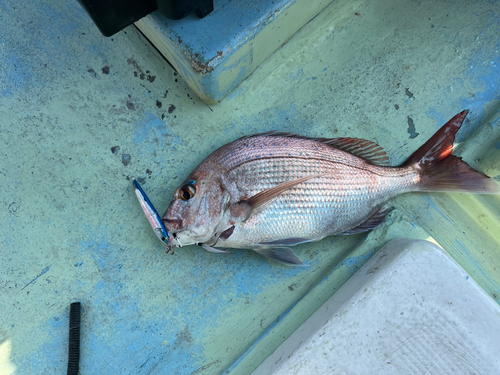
111, 16
74, 339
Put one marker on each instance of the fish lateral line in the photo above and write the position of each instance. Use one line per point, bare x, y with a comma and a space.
357, 167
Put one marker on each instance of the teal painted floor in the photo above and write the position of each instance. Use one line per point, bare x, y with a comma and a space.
80, 114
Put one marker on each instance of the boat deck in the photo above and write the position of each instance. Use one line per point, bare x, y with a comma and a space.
81, 113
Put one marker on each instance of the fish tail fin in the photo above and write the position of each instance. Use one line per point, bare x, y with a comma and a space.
441, 171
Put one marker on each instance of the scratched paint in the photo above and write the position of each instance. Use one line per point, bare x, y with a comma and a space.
151, 133
44, 271
355, 263
411, 128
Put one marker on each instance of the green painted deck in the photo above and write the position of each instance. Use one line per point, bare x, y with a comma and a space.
80, 114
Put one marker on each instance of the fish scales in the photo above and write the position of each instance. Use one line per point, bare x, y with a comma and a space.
247, 149
351, 185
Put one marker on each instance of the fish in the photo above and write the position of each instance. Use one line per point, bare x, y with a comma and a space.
152, 215
267, 192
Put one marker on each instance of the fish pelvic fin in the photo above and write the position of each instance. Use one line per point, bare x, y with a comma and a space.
247, 208
283, 255
441, 171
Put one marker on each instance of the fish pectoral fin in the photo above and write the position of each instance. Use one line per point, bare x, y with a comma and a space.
247, 208
374, 221
283, 255
212, 249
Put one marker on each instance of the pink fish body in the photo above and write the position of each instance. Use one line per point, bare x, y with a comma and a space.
270, 191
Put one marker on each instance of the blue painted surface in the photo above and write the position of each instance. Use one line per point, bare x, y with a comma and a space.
430, 204
213, 55
212, 34
144, 333
355, 263
123, 336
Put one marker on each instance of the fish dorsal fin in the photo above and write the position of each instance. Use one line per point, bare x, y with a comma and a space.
247, 208
373, 222
370, 151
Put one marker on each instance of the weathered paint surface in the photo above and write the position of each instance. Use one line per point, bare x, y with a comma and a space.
216, 53
71, 227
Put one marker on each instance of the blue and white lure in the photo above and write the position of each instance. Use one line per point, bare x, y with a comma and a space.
152, 215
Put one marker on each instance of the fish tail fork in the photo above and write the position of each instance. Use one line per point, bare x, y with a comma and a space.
441, 171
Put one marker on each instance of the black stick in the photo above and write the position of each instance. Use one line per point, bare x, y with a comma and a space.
74, 339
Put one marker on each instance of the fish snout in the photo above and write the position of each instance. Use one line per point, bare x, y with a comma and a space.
172, 224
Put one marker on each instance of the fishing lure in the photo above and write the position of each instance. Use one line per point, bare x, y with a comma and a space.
152, 215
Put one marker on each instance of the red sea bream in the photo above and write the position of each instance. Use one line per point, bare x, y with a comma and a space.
269, 191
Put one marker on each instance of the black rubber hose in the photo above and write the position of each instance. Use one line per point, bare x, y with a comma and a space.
74, 339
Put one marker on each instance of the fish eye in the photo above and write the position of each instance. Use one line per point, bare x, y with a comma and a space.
187, 192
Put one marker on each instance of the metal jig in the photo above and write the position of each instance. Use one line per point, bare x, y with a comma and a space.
151, 214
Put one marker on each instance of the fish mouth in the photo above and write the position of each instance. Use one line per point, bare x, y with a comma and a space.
173, 241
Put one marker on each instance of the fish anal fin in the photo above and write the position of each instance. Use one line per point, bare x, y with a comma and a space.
244, 209
283, 255
374, 221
